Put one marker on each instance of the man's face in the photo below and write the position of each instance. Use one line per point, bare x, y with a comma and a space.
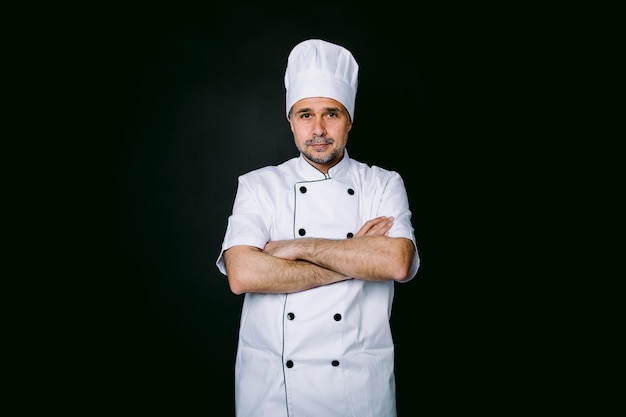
320, 129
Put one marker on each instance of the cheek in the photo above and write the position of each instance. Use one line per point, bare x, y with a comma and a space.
299, 131
341, 134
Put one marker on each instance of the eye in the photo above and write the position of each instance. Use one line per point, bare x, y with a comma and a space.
332, 114
305, 116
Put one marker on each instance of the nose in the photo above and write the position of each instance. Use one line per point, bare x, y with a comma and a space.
319, 129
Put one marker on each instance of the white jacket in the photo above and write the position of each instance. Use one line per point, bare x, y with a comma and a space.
327, 351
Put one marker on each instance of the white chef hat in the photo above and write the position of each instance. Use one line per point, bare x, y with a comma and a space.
316, 68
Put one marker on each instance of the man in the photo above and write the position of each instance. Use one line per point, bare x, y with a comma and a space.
316, 245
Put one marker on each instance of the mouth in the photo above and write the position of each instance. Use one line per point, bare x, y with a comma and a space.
319, 144
319, 147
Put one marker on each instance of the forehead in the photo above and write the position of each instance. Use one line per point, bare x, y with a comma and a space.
317, 104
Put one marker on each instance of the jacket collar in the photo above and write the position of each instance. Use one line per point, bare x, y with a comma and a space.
311, 173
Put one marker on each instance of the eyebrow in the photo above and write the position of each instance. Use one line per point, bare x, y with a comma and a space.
326, 110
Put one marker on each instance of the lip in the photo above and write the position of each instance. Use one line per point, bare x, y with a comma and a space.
319, 146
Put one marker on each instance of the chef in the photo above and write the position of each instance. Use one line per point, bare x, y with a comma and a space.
317, 244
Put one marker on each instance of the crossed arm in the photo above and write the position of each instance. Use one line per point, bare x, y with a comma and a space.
287, 266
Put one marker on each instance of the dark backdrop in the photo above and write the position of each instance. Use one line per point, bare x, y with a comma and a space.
172, 106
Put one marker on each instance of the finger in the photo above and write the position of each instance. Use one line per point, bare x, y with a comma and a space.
378, 226
368, 225
381, 229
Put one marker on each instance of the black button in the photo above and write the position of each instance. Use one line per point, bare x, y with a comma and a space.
334, 363
337, 317
290, 364
303, 189
350, 191
291, 316
349, 235
302, 232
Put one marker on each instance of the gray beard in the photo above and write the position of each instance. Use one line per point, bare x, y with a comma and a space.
311, 156
322, 160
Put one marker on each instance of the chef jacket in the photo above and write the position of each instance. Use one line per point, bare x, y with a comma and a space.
327, 351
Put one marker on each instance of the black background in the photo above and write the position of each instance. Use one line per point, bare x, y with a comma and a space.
167, 107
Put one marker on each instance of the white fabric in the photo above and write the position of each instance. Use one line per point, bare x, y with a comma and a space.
270, 205
316, 68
